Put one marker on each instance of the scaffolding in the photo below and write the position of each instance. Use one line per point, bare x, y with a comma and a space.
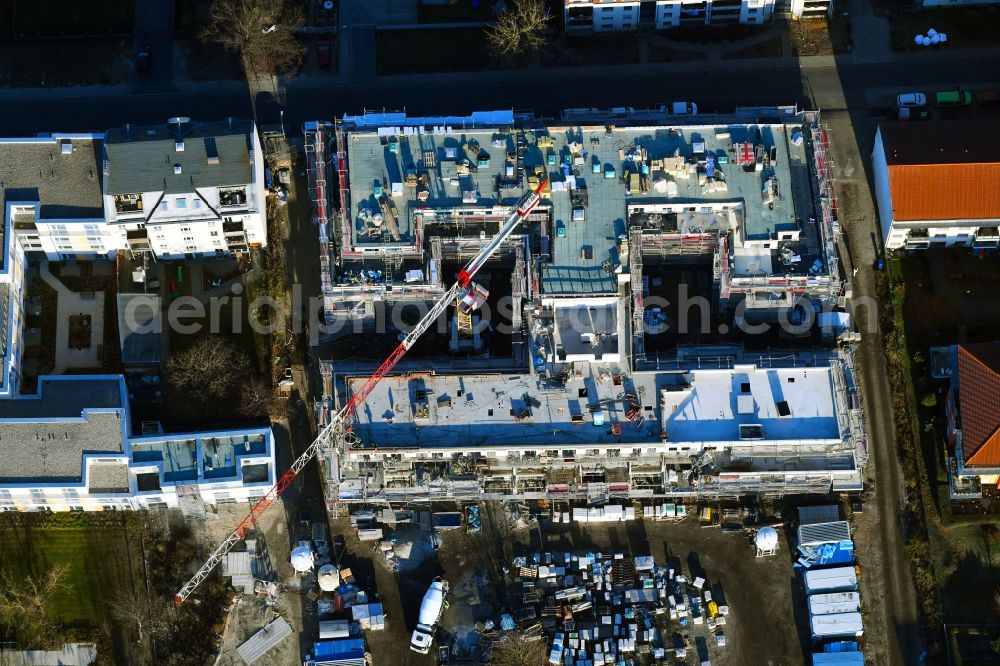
635, 280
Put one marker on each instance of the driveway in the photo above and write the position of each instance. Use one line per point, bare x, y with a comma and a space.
892, 632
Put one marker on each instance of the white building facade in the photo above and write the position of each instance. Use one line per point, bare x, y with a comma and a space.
928, 184
585, 16
186, 190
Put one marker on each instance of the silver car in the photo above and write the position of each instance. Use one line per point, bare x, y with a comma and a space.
910, 100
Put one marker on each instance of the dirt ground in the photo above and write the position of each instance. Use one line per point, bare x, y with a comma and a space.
767, 604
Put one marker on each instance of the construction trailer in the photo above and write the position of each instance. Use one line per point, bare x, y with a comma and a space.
837, 579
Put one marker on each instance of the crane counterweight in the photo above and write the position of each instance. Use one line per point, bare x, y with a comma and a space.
469, 296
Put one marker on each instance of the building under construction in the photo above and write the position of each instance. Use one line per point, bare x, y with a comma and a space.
550, 389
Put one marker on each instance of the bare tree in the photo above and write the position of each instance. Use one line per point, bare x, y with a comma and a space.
256, 398
262, 32
134, 610
209, 369
24, 607
518, 648
520, 28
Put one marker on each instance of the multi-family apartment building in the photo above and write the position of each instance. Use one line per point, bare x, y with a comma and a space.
577, 385
586, 16
76, 444
936, 184
177, 190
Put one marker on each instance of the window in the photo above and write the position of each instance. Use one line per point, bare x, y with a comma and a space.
191, 248
185, 228
214, 233
197, 203
163, 205
180, 202
189, 239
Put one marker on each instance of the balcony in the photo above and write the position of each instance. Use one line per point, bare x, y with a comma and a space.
138, 240
233, 197
126, 204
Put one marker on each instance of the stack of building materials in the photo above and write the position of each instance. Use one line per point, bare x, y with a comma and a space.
665, 511
237, 565
369, 616
611, 513
604, 608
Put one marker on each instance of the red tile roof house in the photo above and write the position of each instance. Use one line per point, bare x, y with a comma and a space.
973, 420
938, 183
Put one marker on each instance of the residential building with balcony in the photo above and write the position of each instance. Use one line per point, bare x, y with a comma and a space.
938, 184
70, 447
186, 190
586, 16
972, 416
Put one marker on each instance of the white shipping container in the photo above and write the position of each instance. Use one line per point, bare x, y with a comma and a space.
835, 602
838, 579
836, 625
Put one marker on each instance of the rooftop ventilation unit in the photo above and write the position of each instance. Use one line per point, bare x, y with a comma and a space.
179, 145
177, 169
66, 148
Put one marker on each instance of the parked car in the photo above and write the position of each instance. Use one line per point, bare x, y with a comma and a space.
909, 100
142, 59
989, 98
684, 108
953, 98
323, 53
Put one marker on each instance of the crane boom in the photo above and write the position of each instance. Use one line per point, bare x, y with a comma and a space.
339, 423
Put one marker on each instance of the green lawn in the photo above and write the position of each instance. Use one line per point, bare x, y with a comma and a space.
53, 17
100, 561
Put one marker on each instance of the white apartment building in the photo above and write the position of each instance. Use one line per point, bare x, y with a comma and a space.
806, 9
957, 3
583, 16
186, 190
70, 447
176, 191
936, 184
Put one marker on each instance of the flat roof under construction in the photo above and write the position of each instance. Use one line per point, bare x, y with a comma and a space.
708, 408
589, 196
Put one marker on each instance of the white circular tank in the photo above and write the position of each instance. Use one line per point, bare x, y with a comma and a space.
767, 538
302, 558
328, 578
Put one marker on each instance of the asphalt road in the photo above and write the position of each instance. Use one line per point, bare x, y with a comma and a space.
714, 86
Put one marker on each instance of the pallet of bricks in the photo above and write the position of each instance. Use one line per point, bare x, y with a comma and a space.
608, 608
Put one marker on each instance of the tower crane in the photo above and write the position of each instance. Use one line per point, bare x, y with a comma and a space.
469, 295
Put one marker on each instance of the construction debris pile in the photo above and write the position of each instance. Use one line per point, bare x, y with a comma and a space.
604, 608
